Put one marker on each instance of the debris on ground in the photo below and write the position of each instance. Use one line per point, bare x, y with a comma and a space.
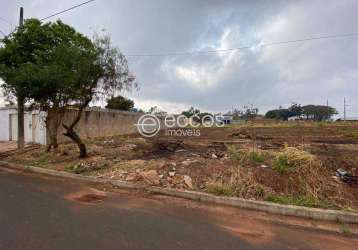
241, 135
216, 150
128, 147
188, 181
108, 142
188, 162
170, 145
133, 177
346, 176
151, 177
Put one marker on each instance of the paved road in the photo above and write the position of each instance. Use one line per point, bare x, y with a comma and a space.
39, 212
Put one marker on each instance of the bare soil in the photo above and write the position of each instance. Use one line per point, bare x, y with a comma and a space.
205, 159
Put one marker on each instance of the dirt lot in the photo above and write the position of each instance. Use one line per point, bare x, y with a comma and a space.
7, 145
289, 163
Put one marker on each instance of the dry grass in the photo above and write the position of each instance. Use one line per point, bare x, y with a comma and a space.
307, 173
291, 158
242, 184
247, 156
220, 189
245, 185
304, 178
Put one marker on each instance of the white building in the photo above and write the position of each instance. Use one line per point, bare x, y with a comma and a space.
34, 125
296, 118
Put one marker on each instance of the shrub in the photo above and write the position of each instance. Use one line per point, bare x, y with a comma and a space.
291, 158
233, 152
308, 180
256, 157
220, 189
244, 156
281, 164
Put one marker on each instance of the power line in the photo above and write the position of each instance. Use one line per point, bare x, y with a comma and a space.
63, 11
2, 33
348, 106
7, 22
244, 47
55, 14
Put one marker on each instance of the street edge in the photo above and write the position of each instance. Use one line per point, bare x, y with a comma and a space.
264, 206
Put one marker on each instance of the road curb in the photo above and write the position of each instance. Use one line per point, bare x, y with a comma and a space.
303, 212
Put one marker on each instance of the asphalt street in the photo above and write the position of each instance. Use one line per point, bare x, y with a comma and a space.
39, 212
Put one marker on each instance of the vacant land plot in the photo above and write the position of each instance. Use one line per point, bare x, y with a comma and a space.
290, 163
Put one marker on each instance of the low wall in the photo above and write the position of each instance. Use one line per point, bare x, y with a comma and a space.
34, 126
101, 123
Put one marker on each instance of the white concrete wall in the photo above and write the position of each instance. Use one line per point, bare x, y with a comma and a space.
4, 123
39, 127
34, 126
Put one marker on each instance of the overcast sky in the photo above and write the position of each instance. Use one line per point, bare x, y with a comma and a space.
267, 77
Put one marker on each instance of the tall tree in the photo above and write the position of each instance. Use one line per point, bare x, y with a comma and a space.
191, 112
311, 112
295, 110
319, 112
279, 114
63, 69
98, 74
17, 56
121, 103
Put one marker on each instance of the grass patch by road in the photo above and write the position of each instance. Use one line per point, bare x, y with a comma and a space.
306, 201
220, 189
345, 230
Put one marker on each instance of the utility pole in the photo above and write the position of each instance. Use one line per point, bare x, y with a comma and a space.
345, 110
20, 104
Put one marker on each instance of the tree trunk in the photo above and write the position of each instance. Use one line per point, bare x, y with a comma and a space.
70, 132
20, 123
74, 137
52, 124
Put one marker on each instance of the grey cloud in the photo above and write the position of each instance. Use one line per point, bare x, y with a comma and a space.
268, 77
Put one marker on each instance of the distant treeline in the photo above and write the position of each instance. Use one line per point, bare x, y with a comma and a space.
308, 112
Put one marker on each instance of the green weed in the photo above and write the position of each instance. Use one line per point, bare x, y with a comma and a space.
282, 165
346, 230
305, 200
256, 157
220, 189
234, 153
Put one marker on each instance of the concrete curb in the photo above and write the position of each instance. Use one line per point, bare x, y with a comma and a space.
303, 212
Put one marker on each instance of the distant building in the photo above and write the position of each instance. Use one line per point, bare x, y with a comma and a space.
227, 119
296, 118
